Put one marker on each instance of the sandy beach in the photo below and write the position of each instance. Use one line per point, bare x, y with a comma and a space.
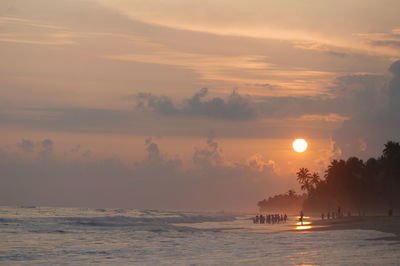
379, 223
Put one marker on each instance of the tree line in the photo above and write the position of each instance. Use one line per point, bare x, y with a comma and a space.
288, 202
353, 184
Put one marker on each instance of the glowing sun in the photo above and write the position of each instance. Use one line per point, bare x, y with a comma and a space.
300, 145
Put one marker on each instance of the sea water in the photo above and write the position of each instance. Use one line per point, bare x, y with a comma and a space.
45, 235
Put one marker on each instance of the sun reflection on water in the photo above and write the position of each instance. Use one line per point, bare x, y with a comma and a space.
305, 225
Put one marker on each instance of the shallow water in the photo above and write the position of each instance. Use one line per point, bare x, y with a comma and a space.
43, 235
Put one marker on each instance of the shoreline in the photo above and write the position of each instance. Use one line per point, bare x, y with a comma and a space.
384, 224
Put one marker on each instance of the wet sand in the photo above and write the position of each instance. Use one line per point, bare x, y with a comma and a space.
379, 223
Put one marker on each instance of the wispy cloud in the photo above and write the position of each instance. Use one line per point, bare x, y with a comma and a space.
320, 47
283, 20
28, 31
389, 40
239, 70
44, 39
335, 118
30, 22
213, 67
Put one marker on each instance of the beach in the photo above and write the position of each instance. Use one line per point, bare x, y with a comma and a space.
38, 235
384, 224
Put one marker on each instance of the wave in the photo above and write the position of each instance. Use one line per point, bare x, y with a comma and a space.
67, 220
155, 224
8, 220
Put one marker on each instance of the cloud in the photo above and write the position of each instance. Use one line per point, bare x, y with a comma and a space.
388, 40
323, 157
258, 162
233, 115
327, 118
34, 32
156, 181
210, 67
234, 107
44, 147
283, 20
47, 144
350, 86
388, 43
211, 155
26, 145
375, 118
156, 159
322, 48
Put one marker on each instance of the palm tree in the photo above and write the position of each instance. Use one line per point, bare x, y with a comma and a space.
304, 178
391, 150
315, 180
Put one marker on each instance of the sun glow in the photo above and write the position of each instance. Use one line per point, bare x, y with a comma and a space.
300, 145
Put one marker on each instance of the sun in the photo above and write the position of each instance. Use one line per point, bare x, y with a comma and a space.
299, 145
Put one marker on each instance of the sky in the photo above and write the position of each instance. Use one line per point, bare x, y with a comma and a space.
186, 105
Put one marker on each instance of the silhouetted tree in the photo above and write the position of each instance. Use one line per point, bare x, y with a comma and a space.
391, 150
287, 202
304, 178
315, 180
354, 184
291, 193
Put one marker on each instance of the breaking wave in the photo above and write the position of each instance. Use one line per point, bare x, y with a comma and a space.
148, 223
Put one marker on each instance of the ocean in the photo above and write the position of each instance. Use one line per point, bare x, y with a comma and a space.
33, 235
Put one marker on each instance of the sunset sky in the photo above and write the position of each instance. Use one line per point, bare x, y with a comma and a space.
189, 104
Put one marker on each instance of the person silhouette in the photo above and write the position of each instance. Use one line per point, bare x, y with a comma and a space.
301, 217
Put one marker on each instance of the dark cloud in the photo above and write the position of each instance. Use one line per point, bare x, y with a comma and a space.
375, 118
234, 107
231, 116
239, 116
349, 85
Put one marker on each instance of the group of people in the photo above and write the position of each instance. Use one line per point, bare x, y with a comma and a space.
270, 219
333, 214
